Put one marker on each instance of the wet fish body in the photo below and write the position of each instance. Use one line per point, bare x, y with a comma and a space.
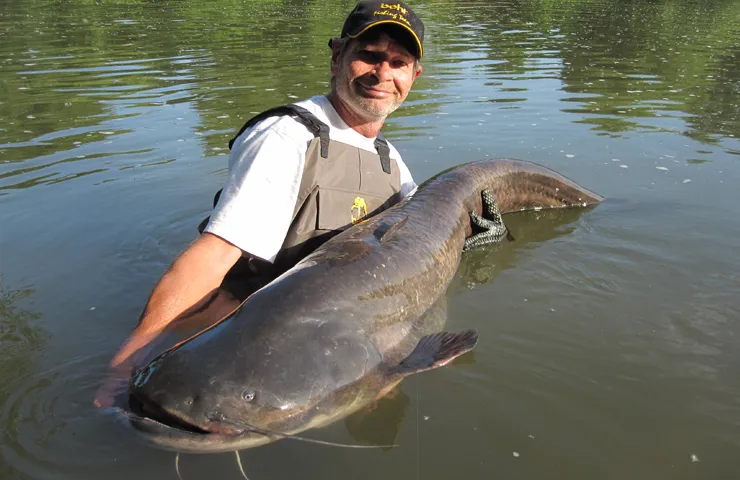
342, 327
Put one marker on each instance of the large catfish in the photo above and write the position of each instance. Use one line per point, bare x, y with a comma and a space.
342, 327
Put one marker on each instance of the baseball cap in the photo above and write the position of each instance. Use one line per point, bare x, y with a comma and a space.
370, 13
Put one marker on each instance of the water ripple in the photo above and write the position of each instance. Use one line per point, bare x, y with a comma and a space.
48, 419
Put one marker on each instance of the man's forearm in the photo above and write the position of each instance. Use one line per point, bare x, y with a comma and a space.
174, 294
191, 279
196, 273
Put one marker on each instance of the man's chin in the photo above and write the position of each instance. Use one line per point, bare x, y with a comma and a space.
365, 105
376, 108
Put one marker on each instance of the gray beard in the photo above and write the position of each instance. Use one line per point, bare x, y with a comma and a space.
346, 94
380, 113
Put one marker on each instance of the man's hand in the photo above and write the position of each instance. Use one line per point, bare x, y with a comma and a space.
128, 357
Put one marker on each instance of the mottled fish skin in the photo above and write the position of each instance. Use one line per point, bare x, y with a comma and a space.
321, 341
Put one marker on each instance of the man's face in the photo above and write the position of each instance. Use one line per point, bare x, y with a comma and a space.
373, 78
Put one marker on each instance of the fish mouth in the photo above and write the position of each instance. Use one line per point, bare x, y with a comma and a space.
189, 440
144, 408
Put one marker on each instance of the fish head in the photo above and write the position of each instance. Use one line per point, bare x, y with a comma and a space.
238, 382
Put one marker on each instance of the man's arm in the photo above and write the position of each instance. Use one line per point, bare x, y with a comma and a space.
191, 279
253, 214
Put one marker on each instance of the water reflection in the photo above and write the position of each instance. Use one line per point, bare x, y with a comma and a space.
20, 340
628, 66
17, 324
482, 266
72, 81
379, 423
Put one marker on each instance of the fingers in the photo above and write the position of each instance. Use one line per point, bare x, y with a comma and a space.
114, 384
107, 393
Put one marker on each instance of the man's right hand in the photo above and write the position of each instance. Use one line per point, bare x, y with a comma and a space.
130, 356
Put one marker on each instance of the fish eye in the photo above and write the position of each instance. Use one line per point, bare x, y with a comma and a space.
247, 395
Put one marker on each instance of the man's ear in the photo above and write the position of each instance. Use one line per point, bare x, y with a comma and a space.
419, 69
336, 46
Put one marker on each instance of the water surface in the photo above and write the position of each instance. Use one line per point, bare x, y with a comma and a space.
609, 338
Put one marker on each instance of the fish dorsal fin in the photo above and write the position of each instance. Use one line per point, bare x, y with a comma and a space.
384, 232
435, 351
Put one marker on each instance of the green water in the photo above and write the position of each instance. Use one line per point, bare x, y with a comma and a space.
609, 338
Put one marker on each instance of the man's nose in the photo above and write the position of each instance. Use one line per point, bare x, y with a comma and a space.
383, 71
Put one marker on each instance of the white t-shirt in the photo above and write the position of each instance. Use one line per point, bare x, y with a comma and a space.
265, 168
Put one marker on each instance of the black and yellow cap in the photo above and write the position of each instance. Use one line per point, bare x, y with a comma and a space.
371, 13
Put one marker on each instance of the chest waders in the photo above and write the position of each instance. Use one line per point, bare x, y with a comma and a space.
341, 185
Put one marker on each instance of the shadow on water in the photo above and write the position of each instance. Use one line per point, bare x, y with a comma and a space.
380, 423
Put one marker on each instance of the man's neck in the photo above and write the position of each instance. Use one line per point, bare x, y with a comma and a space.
366, 128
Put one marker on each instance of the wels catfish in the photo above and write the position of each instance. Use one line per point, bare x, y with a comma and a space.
342, 327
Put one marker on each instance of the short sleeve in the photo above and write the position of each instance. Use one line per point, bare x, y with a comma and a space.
256, 206
408, 185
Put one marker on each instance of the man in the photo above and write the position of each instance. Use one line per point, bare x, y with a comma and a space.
282, 198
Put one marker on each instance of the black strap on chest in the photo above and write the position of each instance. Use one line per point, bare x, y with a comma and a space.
384, 151
318, 128
309, 120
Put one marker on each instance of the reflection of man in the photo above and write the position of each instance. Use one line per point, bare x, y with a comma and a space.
282, 198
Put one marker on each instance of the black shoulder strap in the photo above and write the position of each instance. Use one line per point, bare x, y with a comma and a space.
384, 151
308, 119
318, 128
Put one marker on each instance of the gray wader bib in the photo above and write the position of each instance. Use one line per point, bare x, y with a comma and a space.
341, 185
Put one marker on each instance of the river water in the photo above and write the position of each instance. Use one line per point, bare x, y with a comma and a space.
609, 339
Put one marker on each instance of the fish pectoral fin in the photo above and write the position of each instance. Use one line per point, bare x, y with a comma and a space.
436, 350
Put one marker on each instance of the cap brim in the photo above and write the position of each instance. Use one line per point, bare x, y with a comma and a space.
393, 22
